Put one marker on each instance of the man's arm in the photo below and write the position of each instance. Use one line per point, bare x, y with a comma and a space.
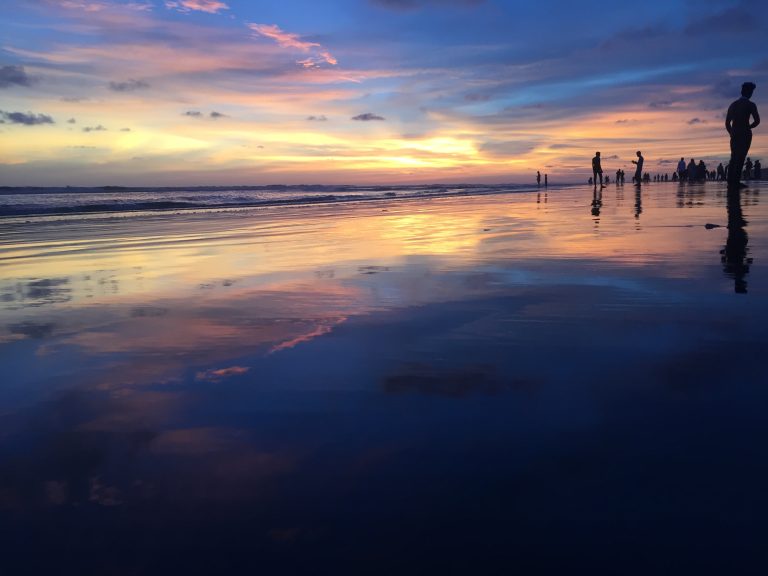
756, 116
729, 118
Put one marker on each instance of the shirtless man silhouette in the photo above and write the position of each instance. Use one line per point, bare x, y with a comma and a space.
739, 126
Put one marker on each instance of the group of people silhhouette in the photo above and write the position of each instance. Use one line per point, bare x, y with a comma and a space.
741, 118
597, 171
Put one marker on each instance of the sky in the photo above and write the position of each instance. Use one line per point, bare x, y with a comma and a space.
239, 92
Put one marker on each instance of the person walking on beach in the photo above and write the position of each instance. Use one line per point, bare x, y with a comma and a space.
720, 171
597, 170
681, 169
758, 170
538, 178
748, 170
639, 171
546, 181
741, 118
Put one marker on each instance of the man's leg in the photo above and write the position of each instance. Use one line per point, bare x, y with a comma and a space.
740, 144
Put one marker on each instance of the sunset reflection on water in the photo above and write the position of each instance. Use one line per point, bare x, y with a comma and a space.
297, 378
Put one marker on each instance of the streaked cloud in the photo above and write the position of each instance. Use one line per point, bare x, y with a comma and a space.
219, 374
98, 128
320, 118
416, 4
290, 40
209, 6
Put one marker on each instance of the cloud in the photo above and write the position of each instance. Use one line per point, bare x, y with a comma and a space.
284, 39
320, 118
510, 148
125, 129
98, 128
693, 121
197, 114
72, 121
367, 117
416, 4
661, 104
221, 373
209, 6
28, 119
15, 76
128, 86
290, 40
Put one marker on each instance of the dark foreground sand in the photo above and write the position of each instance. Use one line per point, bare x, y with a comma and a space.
551, 383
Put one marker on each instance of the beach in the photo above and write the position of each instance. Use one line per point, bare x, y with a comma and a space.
484, 383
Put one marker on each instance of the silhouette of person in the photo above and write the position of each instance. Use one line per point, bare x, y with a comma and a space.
720, 172
681, 169
739, 126
748, 169
590, 180
639, 171
538, 178
546, 181
701, 171
734, 256
758, 170
597, 170
674, 176
691, 170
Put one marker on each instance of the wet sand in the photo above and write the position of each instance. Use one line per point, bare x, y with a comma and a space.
460, 385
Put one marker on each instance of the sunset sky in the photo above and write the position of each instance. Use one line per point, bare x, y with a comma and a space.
204, 92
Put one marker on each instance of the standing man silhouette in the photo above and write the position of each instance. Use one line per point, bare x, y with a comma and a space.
597, 170
738, 124
538, 178
639, 171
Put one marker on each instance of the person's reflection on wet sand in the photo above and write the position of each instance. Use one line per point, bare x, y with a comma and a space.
734, 255
597, 204
638, 202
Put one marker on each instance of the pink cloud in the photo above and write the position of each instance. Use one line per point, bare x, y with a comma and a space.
285, 39
209, 6
99, 5
291, 40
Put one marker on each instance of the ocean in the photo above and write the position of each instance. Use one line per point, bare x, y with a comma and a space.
75, 201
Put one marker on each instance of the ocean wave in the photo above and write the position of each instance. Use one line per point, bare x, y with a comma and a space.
32, 202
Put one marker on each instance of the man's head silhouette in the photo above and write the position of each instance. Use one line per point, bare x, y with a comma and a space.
747, 89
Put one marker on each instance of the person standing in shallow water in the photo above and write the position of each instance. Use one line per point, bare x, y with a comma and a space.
639, 171
741, 118
538, 178
597, 170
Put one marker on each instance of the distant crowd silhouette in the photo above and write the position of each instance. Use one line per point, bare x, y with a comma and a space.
742, 117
